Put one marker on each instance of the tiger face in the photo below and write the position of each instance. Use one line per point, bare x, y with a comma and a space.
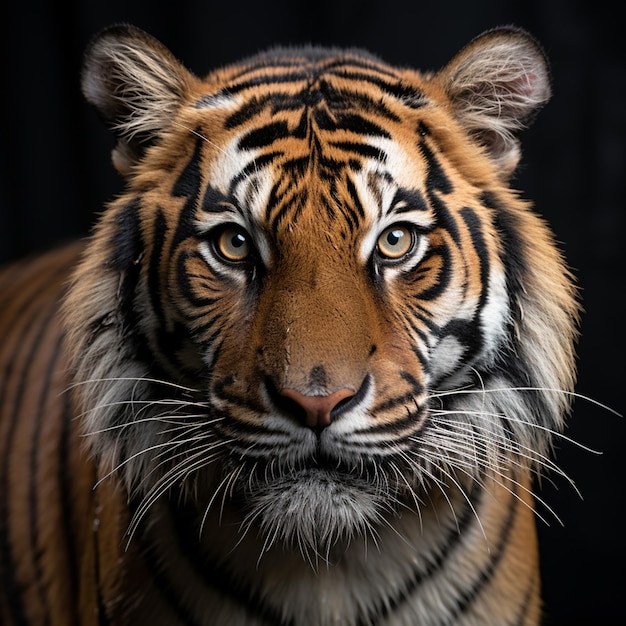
318, 303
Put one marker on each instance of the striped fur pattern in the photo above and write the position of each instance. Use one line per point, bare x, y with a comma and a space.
311, 359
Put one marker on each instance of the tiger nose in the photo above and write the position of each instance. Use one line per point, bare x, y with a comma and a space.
316, 410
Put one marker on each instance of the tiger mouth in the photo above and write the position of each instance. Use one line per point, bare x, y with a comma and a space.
312, 484
318, 464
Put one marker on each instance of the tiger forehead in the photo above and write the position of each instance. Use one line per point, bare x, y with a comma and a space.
306, 193
285, 78
312, 136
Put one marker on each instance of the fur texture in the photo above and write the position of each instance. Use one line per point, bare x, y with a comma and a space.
318, 349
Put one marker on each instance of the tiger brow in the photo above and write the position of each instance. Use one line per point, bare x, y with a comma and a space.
407, 200
214, 201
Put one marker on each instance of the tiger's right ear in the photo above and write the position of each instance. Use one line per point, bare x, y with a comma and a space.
136, 84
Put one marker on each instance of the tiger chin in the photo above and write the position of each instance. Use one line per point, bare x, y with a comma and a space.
307, 366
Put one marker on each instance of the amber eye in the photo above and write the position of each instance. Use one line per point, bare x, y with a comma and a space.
232, 243
395, 241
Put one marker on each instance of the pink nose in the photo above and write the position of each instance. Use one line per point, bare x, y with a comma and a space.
317, 409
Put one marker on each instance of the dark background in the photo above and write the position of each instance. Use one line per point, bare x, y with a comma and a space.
55, 175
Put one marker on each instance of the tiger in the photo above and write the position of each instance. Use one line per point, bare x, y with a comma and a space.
307, 366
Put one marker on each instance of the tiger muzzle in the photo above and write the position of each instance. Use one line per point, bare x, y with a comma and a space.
315, 348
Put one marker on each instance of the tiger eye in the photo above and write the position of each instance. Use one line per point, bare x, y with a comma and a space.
394, 242
233, 244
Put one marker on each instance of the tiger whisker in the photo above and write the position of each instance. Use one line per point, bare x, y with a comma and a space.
519, 450
223, 484
571, 394
145, 405
179, 473
206, 447
159, 446
456, 457
465, 496
137, 379
173, 420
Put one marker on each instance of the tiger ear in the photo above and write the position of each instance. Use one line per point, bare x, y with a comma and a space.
497, 83
136, 84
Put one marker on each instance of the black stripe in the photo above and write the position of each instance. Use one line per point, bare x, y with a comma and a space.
362, 149
527, 601
355, 215
297, 76
167, 343
220, 578
351, 188
514, 246
407, 94
323, 119
328, 207
340, 99
398, 426
230, 427
207, 299
100, 607
514, 259
274, 199
412, 200
264, 136
246, 112
11, 586
470, 335
126, 240
297, 166
127, 248
215, 322
444, 217
292, 207
65, 477
422, 129
436, 178
403, 592
474, 226
243, 401
33, 465
252, 168
416, 389
442, 281
159, 230
187, 184
330, 169
343, 66
214, 201
279, 102
335, 98
217, 577
495, 556
356, 123
308, 65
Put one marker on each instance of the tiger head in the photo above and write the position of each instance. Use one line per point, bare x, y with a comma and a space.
318, 297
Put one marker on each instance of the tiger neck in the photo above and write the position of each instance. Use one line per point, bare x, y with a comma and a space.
415, 566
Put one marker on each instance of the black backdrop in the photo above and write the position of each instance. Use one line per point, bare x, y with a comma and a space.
55, 175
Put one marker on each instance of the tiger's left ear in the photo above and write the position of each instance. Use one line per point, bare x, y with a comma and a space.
497, 83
